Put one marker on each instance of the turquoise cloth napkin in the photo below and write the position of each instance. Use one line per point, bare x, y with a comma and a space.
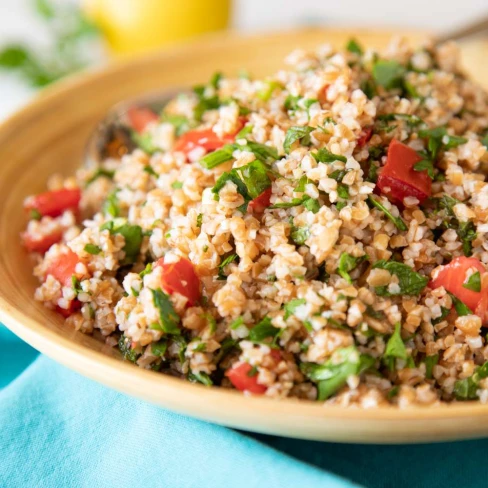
58, 429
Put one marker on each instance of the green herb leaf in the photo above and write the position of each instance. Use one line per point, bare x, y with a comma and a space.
199, 220
297, 133
333, 374
146, 270
177, 185
169, 319
467, 233
410, 282
76, 285
263, 152
395, 348
466, 389
474, 282
299, 235
325, 156
348, 263
159, 348
255, 177
144, 141
111, 205
311, 204
353, 47
150, 170
271, 86
35, 214
388, 74
292, 305
179, 122
92, 249
229, 259
200, 377
343, 191
430, 362
100, 172
125, 348
216, 158
263, 330
425, 165
133, 239
399, 223
461, 308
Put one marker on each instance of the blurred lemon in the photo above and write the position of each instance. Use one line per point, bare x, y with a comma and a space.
138, 25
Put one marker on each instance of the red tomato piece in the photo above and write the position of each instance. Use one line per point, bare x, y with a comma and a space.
365, 137
261, 202
73, 307
239, 377
206, 138
63, 267
54, 203
43, 243
452, 276
398, 179
141, 117
180, 277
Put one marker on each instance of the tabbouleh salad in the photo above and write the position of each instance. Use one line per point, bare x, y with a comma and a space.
317, 234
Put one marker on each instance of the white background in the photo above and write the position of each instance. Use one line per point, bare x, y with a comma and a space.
18, 22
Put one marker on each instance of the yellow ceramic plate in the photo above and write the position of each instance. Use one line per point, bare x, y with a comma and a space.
49, 135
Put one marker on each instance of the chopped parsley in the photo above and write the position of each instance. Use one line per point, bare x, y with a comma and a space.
271, 86
199, 220
425, 165
76, 285
430, 362
168, 318
92, 249
179, 122
297, 133
100, 172
467, 388
251, 180
177, 185
125, 347
460, 307
133, 236
216, 158
410, 282
204, 102
325, 156
348, 263
399, 223
395, 348
159, 348
150, 170
263, 330
229, 259
292, 305
332, 375
144, 141
353, 47
388, 74
474, 282
200, 377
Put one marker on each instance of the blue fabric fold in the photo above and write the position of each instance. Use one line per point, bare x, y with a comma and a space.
58, 429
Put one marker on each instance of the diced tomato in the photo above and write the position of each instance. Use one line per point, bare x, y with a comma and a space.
365, 137
63, 267
239, 377
73, 307
261, 202
276, 355
398, 179
141, 117
206, 138
453, 276
42, 244
180, 277
54, 203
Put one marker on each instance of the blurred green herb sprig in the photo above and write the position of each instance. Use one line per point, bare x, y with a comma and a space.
68, 29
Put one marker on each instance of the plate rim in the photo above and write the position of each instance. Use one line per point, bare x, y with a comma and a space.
103, 368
